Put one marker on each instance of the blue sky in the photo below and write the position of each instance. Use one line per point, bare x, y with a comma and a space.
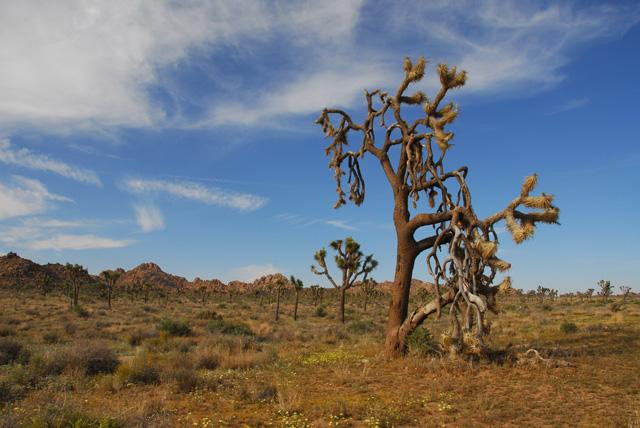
182, 132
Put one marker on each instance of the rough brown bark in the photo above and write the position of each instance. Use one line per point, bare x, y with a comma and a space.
295, 308
343, 292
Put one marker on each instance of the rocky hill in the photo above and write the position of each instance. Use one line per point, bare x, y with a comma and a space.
150, 273
16, 271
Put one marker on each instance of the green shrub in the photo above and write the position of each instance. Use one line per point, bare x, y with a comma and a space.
209, 315
70, 328
137, 337
80, 311
421, 342
142, 369
320, 312
174, 327
12, 351
50, 337
97, 360
229, 327
568, 327
361, 327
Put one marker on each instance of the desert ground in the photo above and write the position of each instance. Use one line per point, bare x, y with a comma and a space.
222, 360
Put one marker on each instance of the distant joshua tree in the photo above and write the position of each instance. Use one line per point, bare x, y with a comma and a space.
44, 282
316, 294
368, 289
625, 291
606, 289
589, 293
110, 277
279, 286
410, 147
351, 261
74, 273
298, 285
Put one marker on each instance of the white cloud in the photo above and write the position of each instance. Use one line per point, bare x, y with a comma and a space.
571, 105
251, 272
340, 87
26, 158
340, 224
25, 196
504, 44
197, 192
149, 217
76, 242
91, 63
96, 64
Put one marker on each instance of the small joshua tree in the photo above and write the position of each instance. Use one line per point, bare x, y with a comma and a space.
74, 273
351, 261
606, 289
368, 289
467, 244
279, 285
44, 282
316, 294
298, 285
110, 277
589, 293
625, 291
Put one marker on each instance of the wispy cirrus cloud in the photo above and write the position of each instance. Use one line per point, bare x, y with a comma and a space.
572, 104
149, 217
76, 242
196, 192
304, 221
26, 158
25, 196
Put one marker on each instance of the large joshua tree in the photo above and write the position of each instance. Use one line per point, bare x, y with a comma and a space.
461, 249
351, 261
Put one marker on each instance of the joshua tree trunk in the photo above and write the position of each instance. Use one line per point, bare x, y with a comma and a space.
366, 297
277, 304
109, 296
343, 292
395, 343
295, 308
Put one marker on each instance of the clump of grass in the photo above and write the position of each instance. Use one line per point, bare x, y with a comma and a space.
50, 337
209, 314
207, 359
142, 369
568, 327
361, 327
95, 360
174, 327
137, 337
70, 328
229, 327
81, 312
421, 342
320, 312
12, 351
6, 331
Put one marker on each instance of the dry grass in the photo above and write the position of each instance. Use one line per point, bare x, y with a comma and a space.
248, 370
